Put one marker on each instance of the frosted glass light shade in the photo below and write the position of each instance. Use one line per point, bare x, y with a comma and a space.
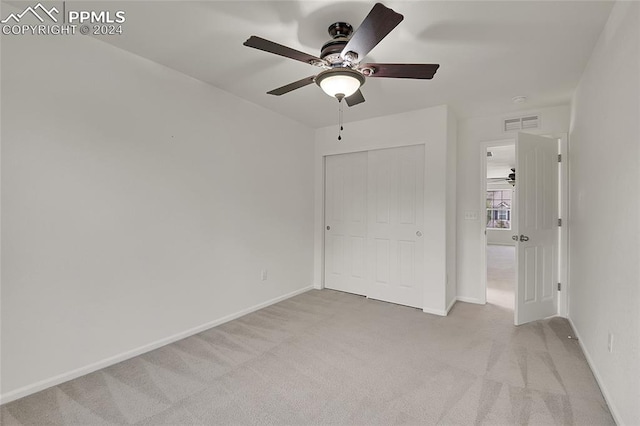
340, 81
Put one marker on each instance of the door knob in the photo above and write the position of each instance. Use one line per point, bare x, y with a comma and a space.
524, 238
514, 238
419, 234
328, 228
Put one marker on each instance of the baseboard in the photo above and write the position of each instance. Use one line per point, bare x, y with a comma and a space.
453, 302
603, 389
471, 300
65, 377
438, 312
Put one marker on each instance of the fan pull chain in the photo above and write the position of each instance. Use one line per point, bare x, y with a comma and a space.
340, 120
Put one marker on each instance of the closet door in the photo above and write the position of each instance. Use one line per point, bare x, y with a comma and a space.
395, 225
346, 223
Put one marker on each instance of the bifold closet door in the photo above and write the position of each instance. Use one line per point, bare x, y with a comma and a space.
374, 203
395, 225
346, 223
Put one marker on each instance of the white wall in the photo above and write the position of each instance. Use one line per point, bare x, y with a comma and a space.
137, 204
430, 127
604, 228
472, 133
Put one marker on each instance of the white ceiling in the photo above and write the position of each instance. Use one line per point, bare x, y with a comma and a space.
489, 52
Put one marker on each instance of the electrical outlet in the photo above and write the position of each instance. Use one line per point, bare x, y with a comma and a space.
610, 343
263, 275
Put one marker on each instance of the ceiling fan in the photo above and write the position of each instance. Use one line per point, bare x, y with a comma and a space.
340, 58
511, 178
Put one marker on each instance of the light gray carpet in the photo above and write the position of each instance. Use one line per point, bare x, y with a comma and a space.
326, 357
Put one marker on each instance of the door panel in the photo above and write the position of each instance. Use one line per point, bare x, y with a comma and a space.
530, 261
537, 210
406, 263
358, 257
397, 199
381, 181
346, 216
381, 261
336, 244
407, 190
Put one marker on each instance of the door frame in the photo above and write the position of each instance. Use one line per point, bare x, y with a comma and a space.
563, 246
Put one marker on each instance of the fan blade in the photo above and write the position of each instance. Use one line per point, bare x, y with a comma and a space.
378, 23
355, 99
292, 86
278, 49
423, 71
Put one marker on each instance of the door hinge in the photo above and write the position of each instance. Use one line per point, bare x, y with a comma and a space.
559, 222
559, 287
559, 158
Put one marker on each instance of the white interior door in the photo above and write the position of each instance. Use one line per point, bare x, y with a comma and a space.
537, 213
346, 223
395, 225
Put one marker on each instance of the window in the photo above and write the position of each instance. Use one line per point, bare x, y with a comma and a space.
499, 209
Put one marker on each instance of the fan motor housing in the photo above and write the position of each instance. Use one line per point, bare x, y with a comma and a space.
340, 33
340, 29
331, 50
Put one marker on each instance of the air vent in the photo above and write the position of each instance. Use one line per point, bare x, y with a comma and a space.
512, 124
530, 122
521, 123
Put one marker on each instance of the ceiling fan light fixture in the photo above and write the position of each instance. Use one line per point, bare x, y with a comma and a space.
340, 82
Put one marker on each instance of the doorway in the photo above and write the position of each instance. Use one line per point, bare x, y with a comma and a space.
499, 222
541, 281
